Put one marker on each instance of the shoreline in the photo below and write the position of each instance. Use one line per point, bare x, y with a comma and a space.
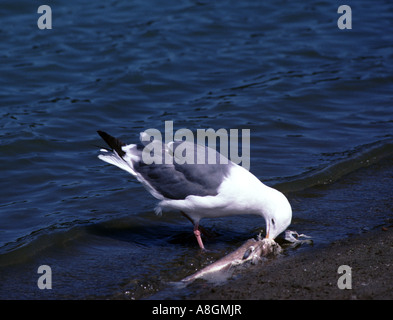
314, 273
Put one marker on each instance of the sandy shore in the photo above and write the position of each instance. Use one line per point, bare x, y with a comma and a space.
314, 273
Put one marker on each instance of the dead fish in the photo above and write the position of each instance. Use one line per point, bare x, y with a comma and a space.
296, 239
252, 250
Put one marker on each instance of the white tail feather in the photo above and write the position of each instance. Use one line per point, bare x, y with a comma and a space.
116, 160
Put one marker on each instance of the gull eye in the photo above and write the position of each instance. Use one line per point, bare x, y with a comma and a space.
273, 222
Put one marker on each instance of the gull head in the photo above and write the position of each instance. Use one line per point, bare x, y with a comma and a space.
277, 213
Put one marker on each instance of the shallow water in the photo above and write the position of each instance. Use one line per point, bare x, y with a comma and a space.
318, 102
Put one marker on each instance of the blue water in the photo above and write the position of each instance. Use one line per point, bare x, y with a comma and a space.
317, 99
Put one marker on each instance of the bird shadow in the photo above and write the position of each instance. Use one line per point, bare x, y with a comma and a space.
160, 233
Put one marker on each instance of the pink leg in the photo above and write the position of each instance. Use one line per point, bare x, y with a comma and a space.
198, 236
197, 232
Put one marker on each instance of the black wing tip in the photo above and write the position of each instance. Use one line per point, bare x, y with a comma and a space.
104, 135
112, 142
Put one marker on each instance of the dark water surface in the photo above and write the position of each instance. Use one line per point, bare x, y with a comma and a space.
317, 99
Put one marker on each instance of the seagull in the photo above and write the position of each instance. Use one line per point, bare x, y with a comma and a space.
199, 189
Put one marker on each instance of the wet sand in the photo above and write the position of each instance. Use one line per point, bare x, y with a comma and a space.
312, 273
